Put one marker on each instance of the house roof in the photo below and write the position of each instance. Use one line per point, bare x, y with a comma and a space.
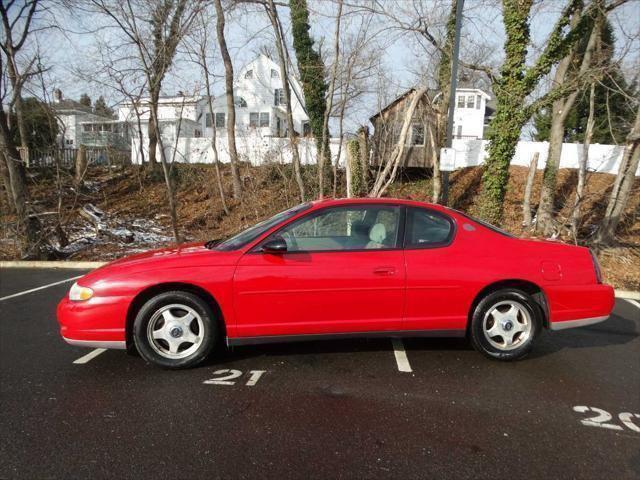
431, 93
67, 104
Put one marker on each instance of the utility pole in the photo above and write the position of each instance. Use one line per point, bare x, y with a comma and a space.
452, 95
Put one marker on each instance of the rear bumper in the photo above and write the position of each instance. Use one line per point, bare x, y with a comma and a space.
98, 323
577, 306
581, 322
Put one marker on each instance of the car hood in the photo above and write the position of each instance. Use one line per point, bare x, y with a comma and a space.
179, 256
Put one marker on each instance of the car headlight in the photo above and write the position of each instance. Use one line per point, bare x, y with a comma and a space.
79, 293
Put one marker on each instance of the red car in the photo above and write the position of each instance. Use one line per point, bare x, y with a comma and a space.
339, 268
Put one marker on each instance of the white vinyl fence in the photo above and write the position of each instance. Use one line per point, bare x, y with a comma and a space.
260, 150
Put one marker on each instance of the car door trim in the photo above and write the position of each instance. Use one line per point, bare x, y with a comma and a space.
239, 341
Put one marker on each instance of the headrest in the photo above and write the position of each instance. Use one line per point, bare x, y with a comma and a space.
378, 233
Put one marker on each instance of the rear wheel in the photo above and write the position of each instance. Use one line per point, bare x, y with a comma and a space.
175, 330
505, 324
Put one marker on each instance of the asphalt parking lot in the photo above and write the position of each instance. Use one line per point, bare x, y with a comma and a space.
340, 409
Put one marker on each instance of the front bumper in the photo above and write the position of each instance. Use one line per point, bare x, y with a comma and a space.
99, 322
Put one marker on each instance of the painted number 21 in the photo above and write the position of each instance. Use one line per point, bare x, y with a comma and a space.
602, 418
228, 377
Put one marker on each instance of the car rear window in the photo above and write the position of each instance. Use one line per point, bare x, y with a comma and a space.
493, 228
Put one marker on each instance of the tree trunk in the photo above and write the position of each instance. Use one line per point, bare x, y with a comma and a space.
153, 129
327, 113
545, 223
583, 162
435, 161
231, 108
27, 226
284, 74
622, 187
81, 165
388, 173
6, 180
526, 204
363, 140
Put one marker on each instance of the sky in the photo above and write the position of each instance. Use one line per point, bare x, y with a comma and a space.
72, 49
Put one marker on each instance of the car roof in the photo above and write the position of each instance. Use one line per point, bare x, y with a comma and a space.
369, 200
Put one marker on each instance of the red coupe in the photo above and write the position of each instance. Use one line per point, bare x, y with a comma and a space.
339, 268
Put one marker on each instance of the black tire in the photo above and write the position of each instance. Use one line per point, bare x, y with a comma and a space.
152, 353
521, 346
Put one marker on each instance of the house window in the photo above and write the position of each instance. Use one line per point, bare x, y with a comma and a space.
417, 134
240, 102
274, 73
478, 102
459, 131
278, 97
68, 141
197, 133
249, 74
471, 101
220, 120
207, 120
254, 119
460, 101
264, 119
306, 129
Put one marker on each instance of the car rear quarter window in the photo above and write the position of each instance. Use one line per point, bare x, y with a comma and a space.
427, 229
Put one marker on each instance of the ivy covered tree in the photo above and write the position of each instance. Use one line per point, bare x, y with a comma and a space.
613, 112
311, 68
514, 84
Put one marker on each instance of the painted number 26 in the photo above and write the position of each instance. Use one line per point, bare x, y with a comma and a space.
602, 418
228, 377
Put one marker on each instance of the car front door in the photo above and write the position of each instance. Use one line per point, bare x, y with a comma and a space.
342, 271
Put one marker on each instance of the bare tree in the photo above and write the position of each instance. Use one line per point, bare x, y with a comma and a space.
272, 13
622, 186
17, 24
154, 31
201, 58
231, 109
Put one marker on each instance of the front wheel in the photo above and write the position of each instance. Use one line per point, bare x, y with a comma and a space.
175, 330
505, 324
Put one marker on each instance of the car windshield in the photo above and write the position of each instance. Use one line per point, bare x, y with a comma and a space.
246, 236
493, 228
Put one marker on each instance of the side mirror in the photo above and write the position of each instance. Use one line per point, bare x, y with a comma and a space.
274, 246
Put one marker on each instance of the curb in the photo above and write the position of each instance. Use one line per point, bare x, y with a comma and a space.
627, 294
52, 264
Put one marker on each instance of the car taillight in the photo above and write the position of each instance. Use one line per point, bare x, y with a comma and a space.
596, 266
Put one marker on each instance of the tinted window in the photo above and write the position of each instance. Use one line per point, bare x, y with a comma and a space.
344, 228
427, 228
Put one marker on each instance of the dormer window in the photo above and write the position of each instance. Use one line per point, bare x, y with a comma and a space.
274, 73
248, 74
240, 102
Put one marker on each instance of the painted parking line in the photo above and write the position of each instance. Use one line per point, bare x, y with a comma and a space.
89, 356
401, 355
635, 303
25, 292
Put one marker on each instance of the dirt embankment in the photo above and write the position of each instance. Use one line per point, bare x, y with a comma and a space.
136, 216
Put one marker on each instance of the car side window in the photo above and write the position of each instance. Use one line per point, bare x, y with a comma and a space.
426, 228
344, 228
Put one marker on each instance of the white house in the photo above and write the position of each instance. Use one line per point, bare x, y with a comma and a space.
259, 105
78, 125
470, 113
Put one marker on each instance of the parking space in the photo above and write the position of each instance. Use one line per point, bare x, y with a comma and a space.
417, 408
